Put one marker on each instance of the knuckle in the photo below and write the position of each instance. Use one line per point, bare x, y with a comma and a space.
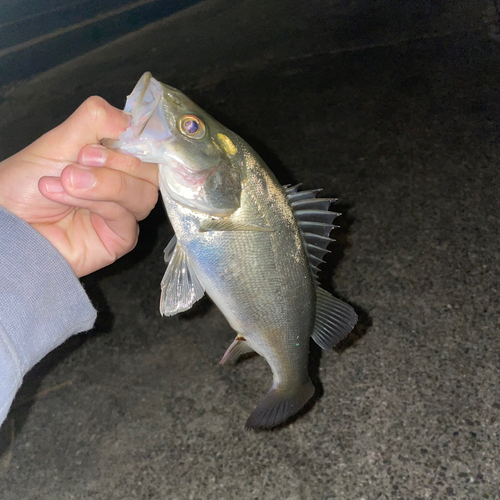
128, 240
131, 163
135, 238
96, 108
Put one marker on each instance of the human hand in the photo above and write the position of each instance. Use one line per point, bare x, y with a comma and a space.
85, 199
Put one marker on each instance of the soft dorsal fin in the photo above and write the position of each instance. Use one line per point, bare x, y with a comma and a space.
315, 222
180, 288
334, 320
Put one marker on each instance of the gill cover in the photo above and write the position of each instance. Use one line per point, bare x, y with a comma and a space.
197, 168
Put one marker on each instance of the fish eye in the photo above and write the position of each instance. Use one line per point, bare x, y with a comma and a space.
191, 126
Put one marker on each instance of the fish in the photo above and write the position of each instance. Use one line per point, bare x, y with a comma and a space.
251, 244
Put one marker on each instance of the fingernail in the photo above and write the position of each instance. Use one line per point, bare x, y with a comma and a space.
81, 178
94, 156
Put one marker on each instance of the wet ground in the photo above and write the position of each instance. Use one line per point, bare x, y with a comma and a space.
393, 107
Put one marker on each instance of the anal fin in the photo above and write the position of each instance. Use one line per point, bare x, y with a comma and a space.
334, 320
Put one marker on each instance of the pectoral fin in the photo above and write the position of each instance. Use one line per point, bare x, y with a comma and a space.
229, 225
169, 249
239, 347
180, 288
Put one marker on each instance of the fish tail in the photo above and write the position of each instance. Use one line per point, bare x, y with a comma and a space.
279, 404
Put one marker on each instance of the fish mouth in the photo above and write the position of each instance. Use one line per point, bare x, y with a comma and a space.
142, 86
149, 129
144, 99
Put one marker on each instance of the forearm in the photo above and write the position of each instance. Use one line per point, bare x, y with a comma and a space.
42, 303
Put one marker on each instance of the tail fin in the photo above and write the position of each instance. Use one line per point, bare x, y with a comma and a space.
279, 404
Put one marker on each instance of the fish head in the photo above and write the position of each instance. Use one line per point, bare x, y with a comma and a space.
200, 165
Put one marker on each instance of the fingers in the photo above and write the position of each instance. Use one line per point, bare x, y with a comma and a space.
101, 232
96, 155
106, 184
103, 175
115, 216
84, 186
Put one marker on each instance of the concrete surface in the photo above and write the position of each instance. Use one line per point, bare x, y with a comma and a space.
394, 107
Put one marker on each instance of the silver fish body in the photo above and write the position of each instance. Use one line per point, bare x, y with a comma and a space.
240, 239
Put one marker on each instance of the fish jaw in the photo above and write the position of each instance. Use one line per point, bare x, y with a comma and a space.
214, 191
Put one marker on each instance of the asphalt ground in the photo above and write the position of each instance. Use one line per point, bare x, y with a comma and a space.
391, 106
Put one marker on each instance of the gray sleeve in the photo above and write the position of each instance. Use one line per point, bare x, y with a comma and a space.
42, 303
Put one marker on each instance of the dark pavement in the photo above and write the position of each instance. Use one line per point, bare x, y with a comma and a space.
392, 106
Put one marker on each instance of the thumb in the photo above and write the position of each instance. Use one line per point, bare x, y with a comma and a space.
94, 120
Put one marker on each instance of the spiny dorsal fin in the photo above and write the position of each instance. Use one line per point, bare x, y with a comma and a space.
315, 222
334, 320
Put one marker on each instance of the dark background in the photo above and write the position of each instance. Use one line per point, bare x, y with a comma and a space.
36, 35
393, 107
